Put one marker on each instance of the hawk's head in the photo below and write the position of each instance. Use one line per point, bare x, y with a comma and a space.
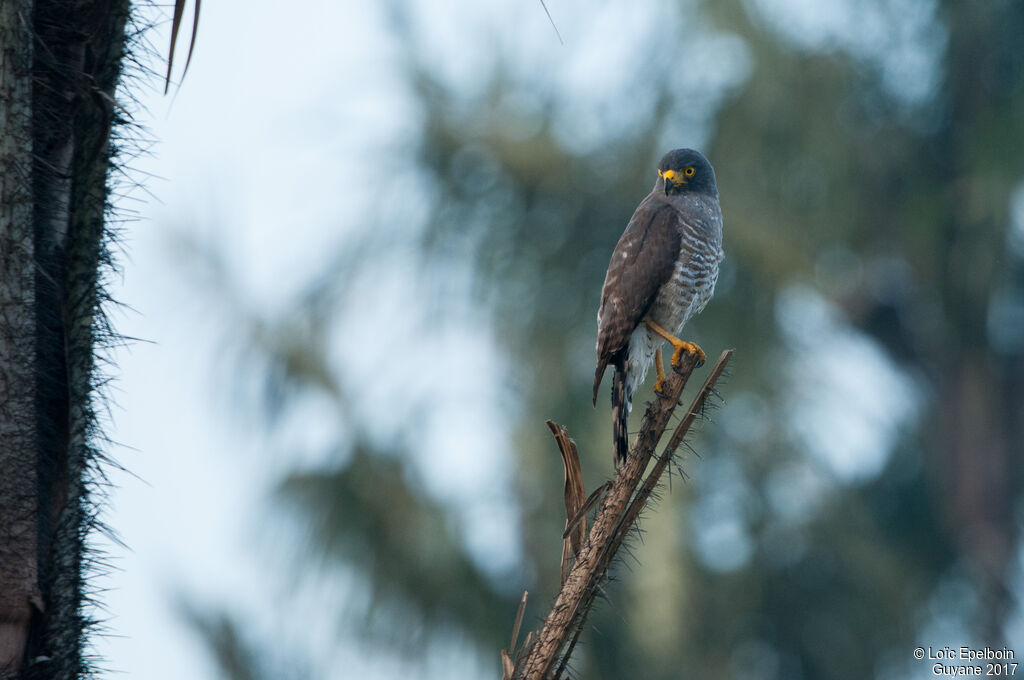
686, 170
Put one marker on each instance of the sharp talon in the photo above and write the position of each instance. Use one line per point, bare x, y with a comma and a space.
691, 348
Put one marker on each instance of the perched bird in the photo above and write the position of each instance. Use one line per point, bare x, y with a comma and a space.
663, 272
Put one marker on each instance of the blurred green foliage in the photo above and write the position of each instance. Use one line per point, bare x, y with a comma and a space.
871, 176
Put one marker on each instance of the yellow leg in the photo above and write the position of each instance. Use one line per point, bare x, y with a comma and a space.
660, 369
678, 346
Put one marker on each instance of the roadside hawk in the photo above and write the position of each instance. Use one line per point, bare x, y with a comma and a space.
663, 272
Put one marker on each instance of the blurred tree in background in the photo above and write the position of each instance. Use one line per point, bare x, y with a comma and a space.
859, 492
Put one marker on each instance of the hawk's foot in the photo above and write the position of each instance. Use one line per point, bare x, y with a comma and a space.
681, 346
678, 346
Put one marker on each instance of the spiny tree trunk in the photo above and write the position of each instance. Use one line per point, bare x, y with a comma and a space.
60, 65
18, 434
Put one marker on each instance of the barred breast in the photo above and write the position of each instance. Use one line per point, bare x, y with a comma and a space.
696, 270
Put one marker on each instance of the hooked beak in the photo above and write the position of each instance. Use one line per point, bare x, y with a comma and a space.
670, 180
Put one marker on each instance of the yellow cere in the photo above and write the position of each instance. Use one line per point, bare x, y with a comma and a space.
668, 174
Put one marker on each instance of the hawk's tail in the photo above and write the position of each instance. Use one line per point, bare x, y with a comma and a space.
620, 414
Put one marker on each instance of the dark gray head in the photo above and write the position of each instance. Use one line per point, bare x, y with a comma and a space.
687, 171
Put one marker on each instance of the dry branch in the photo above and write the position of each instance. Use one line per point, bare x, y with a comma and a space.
545, 655
575, 497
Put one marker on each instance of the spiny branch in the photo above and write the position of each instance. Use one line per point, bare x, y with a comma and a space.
545, 655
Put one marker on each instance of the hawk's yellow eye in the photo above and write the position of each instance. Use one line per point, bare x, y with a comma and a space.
690, 171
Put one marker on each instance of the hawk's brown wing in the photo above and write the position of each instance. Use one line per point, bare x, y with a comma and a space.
642, 262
